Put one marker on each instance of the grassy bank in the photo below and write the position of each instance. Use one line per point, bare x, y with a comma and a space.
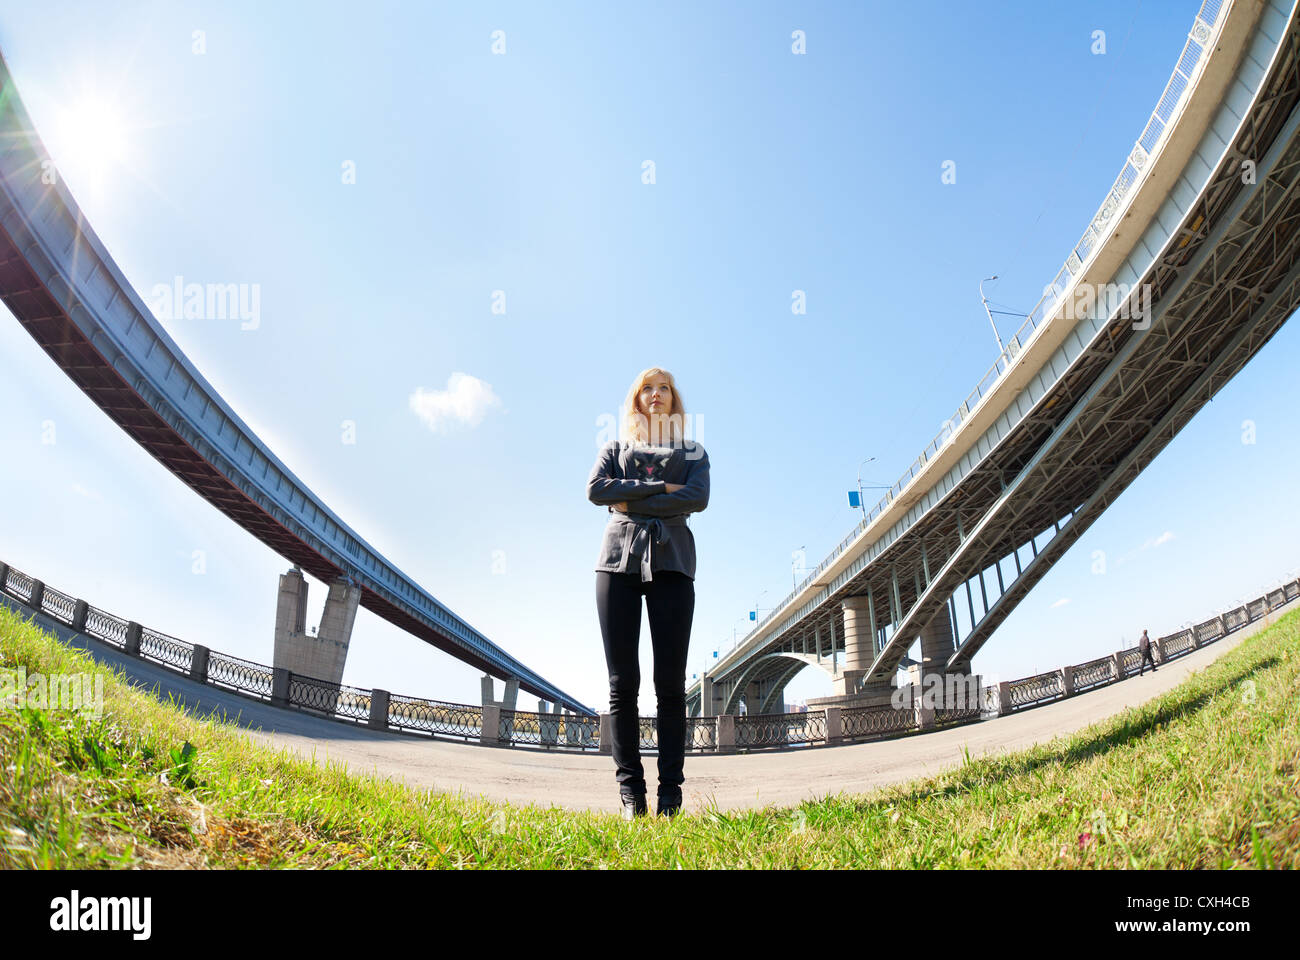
1204, 776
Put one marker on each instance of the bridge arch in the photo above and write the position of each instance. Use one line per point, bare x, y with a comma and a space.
786, 664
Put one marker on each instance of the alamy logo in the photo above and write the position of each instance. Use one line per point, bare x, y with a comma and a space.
80, 692
74, 913
207, 301
937, 691
1128, 302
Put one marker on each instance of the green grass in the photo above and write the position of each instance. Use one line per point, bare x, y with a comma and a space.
1204, 776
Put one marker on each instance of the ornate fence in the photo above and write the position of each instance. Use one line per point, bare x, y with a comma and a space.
1094, 673
497, 725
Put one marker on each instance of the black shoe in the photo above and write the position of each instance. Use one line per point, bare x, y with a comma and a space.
670, 804
634, 806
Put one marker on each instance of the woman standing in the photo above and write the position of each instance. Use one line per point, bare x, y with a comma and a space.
649, 482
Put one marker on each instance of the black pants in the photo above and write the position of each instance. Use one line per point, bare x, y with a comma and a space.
1147, 658
670, 604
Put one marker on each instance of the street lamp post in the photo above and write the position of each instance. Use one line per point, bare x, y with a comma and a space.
862, 502
985, 300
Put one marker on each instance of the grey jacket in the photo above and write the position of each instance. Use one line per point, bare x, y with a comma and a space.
653, 534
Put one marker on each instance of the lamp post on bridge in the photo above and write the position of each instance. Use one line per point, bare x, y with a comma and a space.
985, 301
861, 501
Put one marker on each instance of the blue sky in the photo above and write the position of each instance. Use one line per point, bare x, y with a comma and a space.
522, 172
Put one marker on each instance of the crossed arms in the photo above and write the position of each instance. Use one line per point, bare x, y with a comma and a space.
649, 497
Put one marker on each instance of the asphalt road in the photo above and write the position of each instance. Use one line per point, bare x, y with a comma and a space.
528, 776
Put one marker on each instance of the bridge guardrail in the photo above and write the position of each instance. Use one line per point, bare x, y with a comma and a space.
382, 710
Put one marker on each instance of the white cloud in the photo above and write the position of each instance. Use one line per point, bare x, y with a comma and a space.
466, 400
1060, 603
1163, 538
88, 494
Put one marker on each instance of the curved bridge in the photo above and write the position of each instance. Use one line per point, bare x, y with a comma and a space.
58, 279
1200, 239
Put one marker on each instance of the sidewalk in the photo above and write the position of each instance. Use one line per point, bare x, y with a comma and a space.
586, 782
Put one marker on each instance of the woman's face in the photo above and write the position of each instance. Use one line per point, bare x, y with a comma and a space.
657, 396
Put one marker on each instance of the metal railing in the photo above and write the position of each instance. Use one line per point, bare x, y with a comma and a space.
780, 729
1094, 673
860, 723
460, 720
831, 725
242, 675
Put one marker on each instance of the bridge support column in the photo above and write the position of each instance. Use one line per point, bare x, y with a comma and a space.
931, 679
322, 656
511, 695
708, 706
937, 642
859, 648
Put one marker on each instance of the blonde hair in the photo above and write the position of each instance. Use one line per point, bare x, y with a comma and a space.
636, 423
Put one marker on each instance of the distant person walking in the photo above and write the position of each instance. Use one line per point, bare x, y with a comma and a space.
650, 482
1144, 644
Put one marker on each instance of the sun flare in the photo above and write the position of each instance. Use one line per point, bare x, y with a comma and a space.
92, 139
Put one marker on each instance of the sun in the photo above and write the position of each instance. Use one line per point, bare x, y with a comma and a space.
91, 141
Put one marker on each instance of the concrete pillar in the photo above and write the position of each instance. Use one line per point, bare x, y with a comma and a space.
1157, 652
490, 732
1067, 681
924, 714
199, 664
1117, 665
511, 693
291, 604
290, 619
378, 719
834, 725
753, 698
132, 644
708, 707
79, 616
487, 690
726, 734
4, 575
325, 655
508, 702
340, 609
859, 645
38, 594
937, 643
279, 687
1004, 698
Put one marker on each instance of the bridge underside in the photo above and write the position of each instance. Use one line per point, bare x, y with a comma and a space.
45, 319
1220, 289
